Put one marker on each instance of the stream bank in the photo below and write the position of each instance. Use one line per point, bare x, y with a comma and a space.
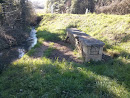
13, 53
10, 38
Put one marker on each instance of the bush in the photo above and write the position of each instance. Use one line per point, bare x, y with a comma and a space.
120, 8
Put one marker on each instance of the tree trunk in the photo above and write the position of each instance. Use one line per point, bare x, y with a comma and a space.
23, 13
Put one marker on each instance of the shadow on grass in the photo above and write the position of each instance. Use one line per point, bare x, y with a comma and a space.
44, 36
42, 77
121, 52
8, 56
116, 66
47, 78
49, 36
52, 38
52, 52
113, 68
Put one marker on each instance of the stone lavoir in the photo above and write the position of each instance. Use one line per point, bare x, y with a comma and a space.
90, 48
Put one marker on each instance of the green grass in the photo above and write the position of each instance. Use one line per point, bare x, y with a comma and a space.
44, 78
49, 51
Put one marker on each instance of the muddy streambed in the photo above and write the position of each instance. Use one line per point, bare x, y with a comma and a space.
16, 52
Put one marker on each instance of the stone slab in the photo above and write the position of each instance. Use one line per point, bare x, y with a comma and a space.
89, 47
87, 39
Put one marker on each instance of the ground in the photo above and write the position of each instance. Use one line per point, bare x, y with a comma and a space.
61, 50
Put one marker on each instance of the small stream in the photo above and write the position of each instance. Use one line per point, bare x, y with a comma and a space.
16, 52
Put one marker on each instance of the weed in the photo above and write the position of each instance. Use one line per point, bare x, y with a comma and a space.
31, 52
48, 52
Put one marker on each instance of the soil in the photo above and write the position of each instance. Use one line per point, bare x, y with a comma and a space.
61, 51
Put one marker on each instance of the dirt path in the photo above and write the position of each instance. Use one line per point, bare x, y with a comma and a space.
61, 51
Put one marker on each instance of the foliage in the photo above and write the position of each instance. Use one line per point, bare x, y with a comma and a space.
15, 13
120, 7
83, 6
79, 7
15, 19
14, 26
76, 6
58, 5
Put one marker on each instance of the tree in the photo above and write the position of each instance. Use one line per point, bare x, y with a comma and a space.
23, 13
75, 7
16, 14
1, 1
80, 6
58, 6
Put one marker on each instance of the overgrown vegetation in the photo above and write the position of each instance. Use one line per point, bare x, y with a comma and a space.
70, 6
120, 7
43, 77
15, 17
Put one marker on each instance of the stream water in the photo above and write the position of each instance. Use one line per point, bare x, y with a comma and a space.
16, 52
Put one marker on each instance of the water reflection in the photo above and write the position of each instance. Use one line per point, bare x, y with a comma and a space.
14, 53
32, 39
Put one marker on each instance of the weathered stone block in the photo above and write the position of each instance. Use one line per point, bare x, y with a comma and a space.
89, 47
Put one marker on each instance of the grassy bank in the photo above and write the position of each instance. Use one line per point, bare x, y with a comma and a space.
43, 77
114, 30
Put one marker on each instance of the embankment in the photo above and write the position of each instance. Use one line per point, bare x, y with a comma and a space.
12, 37
9, 38
114, 30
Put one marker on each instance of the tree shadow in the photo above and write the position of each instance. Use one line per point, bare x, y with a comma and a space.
122, 52
47, 78
116, 69
43, 77
110, 66
57, 41
8, 56
49, 36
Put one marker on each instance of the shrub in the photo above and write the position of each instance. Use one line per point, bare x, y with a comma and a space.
117, 7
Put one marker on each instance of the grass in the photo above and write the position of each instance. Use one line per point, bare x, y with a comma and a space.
45, 78
49, 51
